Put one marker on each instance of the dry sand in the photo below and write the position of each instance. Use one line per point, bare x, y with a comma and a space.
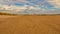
29, 24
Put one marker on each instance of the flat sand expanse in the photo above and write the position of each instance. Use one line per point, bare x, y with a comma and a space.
29, 24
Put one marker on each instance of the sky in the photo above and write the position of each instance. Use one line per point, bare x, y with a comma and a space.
45, 4
41, 3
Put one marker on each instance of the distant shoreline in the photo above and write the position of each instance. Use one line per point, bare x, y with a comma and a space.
30, 14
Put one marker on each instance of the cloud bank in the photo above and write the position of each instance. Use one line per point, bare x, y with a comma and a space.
41, 3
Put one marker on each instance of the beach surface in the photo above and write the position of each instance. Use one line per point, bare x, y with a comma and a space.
29, 24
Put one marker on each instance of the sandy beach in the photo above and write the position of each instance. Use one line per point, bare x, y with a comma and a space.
29, 24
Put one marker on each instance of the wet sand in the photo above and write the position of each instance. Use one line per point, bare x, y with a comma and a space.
29, 24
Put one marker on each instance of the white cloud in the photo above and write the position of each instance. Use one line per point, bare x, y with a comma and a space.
10, 1
56, 3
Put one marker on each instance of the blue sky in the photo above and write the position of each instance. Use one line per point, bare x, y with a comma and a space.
45, 3
19, 4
